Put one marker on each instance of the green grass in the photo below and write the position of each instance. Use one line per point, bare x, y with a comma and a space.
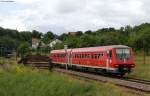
141, 70
18, 80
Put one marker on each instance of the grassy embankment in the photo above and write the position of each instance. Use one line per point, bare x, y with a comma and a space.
16, 80
141, 70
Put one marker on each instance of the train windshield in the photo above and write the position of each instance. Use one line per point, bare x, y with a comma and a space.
123, 53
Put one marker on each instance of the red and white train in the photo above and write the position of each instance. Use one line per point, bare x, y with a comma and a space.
113, 59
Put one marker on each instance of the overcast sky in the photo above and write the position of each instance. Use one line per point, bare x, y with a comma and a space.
62, 16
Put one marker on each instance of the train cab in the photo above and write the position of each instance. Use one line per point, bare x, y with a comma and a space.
121, 59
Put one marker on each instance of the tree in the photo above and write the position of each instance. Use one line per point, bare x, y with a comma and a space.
141, 41
79, 33
26, 36
48, 37
88, 32
127, 30
23, 49
63, 36
36, 34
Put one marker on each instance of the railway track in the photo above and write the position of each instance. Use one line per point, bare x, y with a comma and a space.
138, 80
132, 84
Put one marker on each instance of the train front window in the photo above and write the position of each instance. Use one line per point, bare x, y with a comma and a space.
123, 53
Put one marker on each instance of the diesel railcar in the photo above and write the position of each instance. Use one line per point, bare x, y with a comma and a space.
116, 59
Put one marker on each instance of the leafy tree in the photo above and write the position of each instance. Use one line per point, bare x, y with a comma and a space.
23, 49
127, 30
88, 32
142, 41
36, 34
48, 37
79, 33
26, 36
63, 36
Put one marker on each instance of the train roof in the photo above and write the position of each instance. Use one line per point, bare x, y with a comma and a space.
90, 49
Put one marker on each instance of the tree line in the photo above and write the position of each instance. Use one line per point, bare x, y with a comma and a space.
137, 37
16, 40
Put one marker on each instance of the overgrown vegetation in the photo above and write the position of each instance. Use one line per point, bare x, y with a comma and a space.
23, 49
18, 80
141, 70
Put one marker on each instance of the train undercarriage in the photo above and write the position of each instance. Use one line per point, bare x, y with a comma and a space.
120, 71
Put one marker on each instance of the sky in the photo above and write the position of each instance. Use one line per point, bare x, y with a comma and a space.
62, 16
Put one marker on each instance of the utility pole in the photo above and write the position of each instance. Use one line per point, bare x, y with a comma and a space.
143, 52
1, 49
67, 57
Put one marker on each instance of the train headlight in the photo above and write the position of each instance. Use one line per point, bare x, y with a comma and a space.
116, 65
132, 65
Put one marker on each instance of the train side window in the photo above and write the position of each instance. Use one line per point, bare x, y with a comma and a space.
109, 54
99, 56
92, 56
85, 55
95, 56
89, 56
82, 55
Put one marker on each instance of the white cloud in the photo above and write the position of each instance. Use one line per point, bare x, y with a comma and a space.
12, 22
26, 1
73, 15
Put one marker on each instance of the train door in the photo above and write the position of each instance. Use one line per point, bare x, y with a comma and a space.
108, 59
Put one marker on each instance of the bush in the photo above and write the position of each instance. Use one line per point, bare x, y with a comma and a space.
23, 49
